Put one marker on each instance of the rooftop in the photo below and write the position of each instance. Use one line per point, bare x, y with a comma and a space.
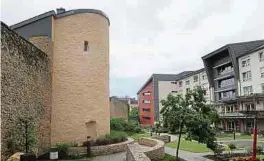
61, 12
237, 49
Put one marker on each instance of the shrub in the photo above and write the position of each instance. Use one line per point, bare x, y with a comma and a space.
73, 144
245, 133
117, 124
122, 125
112, 138
232, 146
260, 150
63, 150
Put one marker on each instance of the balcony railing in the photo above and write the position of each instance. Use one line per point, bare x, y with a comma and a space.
231, 114
226, 74
226, 87
228, 98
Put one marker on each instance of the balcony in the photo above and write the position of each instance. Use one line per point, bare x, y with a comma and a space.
226, 88
228, 99
235, 114
226, 74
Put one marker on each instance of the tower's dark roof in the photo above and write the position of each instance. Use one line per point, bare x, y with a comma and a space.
63, 14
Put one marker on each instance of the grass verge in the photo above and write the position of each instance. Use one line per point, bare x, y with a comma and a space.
168, 157
190, 146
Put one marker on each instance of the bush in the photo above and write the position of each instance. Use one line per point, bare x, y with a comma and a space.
63, 150
112, 138
122, 125
117, 124
260, 150
232, 146
245, 133
73, 144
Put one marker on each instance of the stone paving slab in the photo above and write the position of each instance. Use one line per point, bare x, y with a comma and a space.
112, 157
189, 156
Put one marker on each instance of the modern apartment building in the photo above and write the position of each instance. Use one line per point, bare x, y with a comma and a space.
77, 43
251, 87
159, 86
192, 80
224, 70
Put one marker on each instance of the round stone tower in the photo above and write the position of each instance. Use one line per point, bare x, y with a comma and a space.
80, 80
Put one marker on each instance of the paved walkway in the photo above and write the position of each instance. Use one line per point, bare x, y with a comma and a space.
115, 157
187, 155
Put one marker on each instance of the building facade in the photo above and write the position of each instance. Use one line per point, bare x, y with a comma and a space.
224, 68
118, 108
132, 102
233, 81
79, 42
159, 86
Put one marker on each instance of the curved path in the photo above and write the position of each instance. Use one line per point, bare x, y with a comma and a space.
115, 157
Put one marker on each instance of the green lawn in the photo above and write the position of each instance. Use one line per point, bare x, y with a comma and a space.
261, 156
168, 157
238, 137
136, 136
190, 146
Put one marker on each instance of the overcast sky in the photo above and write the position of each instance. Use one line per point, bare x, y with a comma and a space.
157, 36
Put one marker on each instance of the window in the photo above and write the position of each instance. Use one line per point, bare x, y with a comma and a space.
86, 47
204, 92
262, 86
246, 62
246, 76
146, 101
262, 72
249, 107
261, 56
173, 82
187, 82
180, 84
174, 91
204, 76
146, 118
247, 90
195, 78
146, 109
146, 93
227, 82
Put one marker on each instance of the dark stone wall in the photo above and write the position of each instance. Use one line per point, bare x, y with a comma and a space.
25, 90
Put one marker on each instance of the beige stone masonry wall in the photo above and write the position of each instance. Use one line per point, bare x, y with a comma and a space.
154, 152
80, 104
102, 150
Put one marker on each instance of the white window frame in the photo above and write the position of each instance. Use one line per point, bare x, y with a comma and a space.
146, 101
187, 84
146, 93
195, 80
248, 92
245, 62
180, 84
261, 69
261, 56
248, 76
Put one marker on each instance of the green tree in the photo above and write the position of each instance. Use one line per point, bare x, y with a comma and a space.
133, 114
192, 112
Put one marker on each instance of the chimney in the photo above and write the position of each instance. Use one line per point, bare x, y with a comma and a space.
60, 10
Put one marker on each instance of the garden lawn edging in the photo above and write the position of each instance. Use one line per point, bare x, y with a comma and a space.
154, 152
102, 149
